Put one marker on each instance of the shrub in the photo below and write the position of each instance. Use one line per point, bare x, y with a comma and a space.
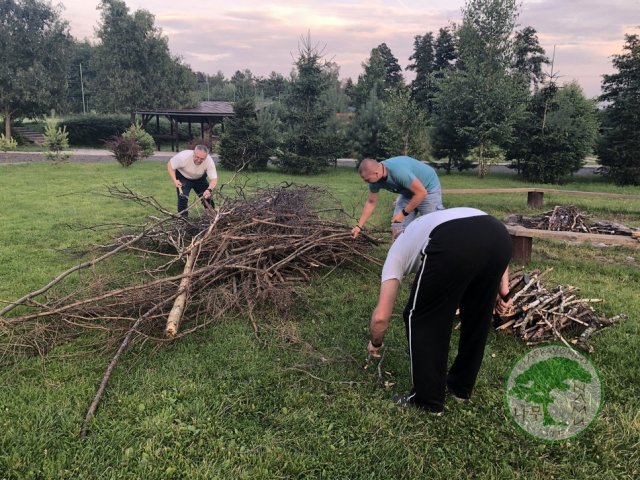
144, 140
125, 151
56, 140
7, 143
93, 130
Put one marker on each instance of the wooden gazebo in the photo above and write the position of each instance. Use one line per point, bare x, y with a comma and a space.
206, 114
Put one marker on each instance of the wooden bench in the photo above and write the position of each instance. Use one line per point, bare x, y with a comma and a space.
523, 240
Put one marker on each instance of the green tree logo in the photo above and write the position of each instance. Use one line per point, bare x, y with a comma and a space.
553, 393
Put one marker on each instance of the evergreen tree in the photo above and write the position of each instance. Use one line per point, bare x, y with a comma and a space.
242, 144
310, 143
619, 149
556, 134
381, 72
423, 64
529, 56
445, 54
367, 129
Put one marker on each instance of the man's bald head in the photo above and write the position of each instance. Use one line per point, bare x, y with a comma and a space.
370, 170
368, 165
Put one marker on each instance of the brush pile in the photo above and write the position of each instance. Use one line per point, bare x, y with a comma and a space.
246, 255
540, 314
240, 259
570, 219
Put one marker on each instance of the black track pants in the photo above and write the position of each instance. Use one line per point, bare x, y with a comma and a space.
462, 267
200, 185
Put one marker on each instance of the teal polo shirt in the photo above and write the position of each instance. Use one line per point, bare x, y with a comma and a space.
401, 172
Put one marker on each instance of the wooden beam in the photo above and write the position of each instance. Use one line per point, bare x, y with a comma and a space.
519, 231
522, 239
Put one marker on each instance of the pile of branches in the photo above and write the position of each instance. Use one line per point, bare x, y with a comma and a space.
248, 253
244, 256
540, 314
570, 219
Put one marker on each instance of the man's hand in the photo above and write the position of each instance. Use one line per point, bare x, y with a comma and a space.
374, 352
207, 194
177, 183
398, 218
502, 307
355, 231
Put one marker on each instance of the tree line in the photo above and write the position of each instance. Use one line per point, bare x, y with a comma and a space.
484, 91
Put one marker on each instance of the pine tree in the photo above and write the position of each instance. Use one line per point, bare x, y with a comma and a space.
310, 141
619, 149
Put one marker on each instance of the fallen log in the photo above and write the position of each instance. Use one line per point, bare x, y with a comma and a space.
173, 320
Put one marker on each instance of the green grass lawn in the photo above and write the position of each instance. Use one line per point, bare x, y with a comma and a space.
219, 405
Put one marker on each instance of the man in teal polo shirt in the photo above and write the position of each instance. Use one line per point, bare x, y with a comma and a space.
416, 182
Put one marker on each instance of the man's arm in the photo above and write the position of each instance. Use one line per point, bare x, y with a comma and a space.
172, 174
382, 313
419, 194
502, 306
367, 210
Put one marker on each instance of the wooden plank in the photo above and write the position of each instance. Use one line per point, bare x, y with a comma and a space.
519, 231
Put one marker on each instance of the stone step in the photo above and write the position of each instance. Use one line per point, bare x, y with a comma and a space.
30, 135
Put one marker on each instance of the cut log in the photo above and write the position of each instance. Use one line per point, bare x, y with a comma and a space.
173, 320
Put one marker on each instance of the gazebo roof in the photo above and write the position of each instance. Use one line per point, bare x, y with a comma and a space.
203, 110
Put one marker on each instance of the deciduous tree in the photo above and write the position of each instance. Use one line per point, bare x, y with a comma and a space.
134, 67
483, 100
34, 47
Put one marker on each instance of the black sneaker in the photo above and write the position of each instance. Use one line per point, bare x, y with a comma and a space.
457, 397
404, 401
401, 400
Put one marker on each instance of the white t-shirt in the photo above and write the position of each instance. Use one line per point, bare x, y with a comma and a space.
407, 251
183, 162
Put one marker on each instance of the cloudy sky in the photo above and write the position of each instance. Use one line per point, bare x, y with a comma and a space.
263, 35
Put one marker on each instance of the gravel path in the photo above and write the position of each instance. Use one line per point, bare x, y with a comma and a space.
77, 156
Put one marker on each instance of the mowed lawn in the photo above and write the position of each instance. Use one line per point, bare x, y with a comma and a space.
220, 405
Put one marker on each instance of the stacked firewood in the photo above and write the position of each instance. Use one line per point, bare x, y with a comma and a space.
570, 219
541, 314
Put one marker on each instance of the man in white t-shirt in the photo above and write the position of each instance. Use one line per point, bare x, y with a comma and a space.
189, 169
460, 257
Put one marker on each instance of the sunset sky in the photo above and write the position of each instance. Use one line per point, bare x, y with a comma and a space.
263, 36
